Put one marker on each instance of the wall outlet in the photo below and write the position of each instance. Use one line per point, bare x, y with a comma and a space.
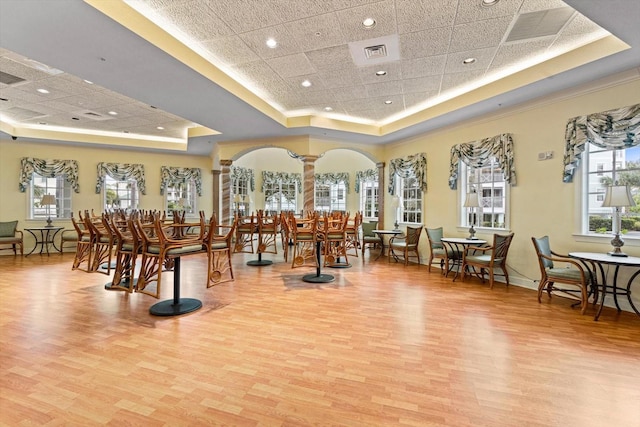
545, 155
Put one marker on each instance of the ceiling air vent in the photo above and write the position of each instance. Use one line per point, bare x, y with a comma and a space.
378, 51
9, 79
539, 24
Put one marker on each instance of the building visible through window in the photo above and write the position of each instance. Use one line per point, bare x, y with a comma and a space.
59, 187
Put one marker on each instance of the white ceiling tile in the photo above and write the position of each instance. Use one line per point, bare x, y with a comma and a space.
483, 58
316, 32
536, 5
456, 80
197, 20
291, 65
245, 15
257, 41
416, 98
423, 67
340, 78
330, 58
393, 70
289, 10
384, 89
422, 84
471, 10
424, 15
511, 54
476, 35
349, 93
351, 20
425, 43
230, 50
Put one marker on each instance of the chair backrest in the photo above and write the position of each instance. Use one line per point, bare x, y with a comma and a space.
368, 227
435, 237
413, 235
8, 229
501, 243
543, 247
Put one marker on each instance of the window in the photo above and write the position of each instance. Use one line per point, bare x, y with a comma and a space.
369, 199
488, 181
182, 196
330, 197
411, 196
622, 166
120, 194
241, 195
280, 196
59, 187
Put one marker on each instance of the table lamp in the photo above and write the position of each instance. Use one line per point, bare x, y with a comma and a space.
395, 204
617, 196
48, 200
472, 202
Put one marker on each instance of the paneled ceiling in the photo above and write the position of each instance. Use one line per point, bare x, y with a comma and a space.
168, 74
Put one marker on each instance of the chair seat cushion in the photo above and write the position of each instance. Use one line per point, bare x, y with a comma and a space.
403, 245
481, 259
370, 239
564, 274
155, 249
10, 239
442, 252
219, 245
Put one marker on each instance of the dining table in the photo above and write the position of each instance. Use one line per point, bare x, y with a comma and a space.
457, 246
381, 235
595, 263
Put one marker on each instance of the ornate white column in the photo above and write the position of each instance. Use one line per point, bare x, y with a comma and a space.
381, 192
308, 182
226, 191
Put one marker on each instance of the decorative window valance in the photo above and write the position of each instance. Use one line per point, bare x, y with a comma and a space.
121, 172
333, 178
414, 165
611, 130
366, 175
49, 169
478, 153
170, 176
270, 178
238, 172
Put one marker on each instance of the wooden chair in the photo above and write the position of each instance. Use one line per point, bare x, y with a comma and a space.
335, 241
159, 248
268, 229
84, 245
490, 258
437, 251
218, 243
247, 226
353, 238
11, 236
128, 247
406, 244
304, 233
103, 243
285, 234
369, 238
575, 276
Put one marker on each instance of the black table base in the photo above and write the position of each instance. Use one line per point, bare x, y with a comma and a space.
177, 305
318, 277
259, 262
123, 284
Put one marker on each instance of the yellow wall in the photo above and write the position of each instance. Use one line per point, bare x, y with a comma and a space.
14, 204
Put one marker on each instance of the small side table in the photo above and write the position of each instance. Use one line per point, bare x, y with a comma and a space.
381, 234
44, 236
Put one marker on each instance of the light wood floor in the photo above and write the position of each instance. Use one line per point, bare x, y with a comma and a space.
383, 345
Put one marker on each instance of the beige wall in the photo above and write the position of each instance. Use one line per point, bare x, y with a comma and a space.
14, 204
540, 202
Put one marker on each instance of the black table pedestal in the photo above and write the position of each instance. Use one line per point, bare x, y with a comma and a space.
259, 262
318, 278
177, 305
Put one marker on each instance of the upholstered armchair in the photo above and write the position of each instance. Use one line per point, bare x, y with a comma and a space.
11, 236
406, 245
368, 236
488, 259
569, 278
437, 250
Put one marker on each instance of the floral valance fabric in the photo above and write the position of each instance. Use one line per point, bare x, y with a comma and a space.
611, 130
171, 176
333, 178
414, 165
49, 169
478, 153
270, 178
121, 172
366, 175
238, 172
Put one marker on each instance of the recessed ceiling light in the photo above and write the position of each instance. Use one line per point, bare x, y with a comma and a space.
469, 61
306, 83
89, 82
488, 3
113, 113
4, 99
43, 91
369, 23
160, 128
318, 33
153, 106
328, 109
272, 43
381, 73
388, 101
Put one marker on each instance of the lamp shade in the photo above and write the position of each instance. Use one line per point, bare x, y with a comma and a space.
395, 202
618, 196
237, 198
472, 200
48, 200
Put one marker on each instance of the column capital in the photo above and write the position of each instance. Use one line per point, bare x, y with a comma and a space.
216, 172
226, 162
309, 158
380, 165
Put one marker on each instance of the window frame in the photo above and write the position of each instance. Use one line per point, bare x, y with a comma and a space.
62, 186
191, 197
279, 184
369, 199
405, 201
108, 180
334, 192
464, 213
